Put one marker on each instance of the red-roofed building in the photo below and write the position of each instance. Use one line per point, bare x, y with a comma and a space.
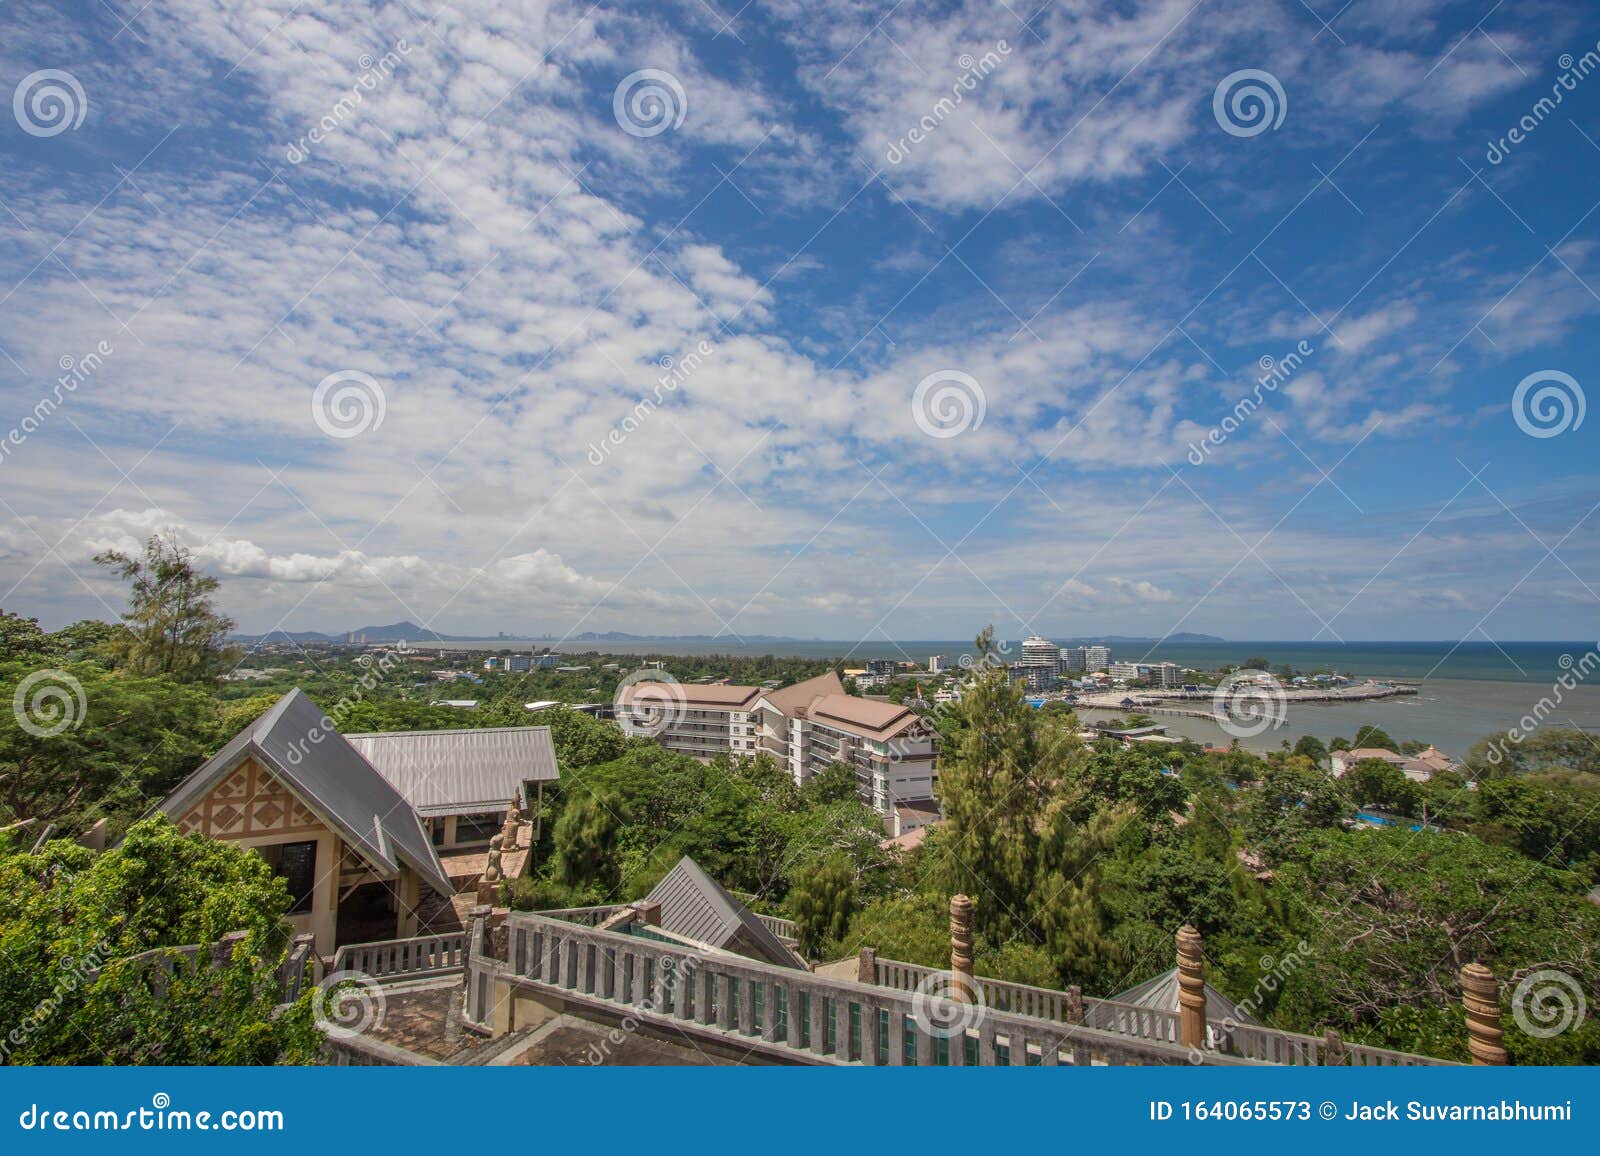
804, 727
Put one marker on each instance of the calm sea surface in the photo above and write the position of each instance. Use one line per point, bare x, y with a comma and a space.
1467, 690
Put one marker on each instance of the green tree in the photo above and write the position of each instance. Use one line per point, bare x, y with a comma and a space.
1393, 917
90, 745
1370, 736
993, 786
72, 921
835, 783
823, 900
1311, 747
173, 626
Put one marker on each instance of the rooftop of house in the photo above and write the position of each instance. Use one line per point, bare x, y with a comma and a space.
461, 772
296, 742
695, 906
693, 695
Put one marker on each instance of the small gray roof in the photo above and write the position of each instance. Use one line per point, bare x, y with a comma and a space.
299, 744
695, 906
1161, 993
459, 772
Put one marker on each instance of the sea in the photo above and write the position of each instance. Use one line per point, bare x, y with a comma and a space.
1467, 691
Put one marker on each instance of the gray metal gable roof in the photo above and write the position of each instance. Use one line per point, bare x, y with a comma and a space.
456, 772
1161, 993
298, 743
695, 906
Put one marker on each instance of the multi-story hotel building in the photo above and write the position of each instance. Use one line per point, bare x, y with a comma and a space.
804, 728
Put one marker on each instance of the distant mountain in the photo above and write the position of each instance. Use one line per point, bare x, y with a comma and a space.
394, 632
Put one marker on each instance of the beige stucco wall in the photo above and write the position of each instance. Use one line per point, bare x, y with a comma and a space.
252, 808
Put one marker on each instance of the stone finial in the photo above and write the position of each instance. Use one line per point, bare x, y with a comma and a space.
1333, 1050
513, 823
1191, 989
1075, 1007
867, 965
962, 986
1480, 992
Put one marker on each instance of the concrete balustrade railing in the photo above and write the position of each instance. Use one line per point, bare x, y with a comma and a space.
1266, 1045
787, 1013
395, 959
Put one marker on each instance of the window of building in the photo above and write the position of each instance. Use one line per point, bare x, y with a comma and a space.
479, 828
296, 864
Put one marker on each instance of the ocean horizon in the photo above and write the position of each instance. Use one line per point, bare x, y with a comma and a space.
1410, 660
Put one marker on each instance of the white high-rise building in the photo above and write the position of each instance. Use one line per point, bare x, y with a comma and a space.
1043, 659
1096, 657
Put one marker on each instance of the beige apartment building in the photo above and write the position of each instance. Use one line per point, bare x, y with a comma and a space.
804, 727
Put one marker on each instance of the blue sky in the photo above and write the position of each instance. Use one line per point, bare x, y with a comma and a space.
259, 227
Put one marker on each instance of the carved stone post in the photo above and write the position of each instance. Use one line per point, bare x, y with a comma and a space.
1191, 989
649, 913
1333, 1052
867, 966
508, 833
1074, 1004
1480, 992
962, 987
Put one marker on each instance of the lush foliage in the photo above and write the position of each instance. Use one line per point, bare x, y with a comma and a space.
83, 979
